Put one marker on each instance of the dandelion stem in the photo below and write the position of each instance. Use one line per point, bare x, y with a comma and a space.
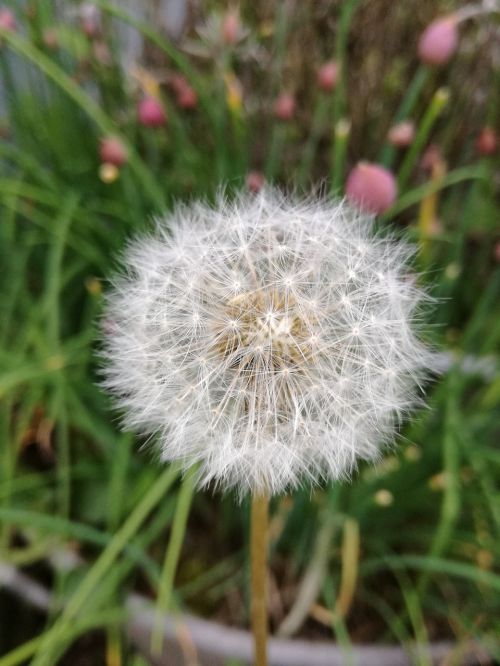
258, 553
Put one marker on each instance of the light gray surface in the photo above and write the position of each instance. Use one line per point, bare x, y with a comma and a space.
191, 641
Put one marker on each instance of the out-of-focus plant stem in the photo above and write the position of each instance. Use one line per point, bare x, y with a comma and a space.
405, 109
259, 536
434, 110
340, 94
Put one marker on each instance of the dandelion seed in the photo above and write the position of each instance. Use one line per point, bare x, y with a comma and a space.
310, 346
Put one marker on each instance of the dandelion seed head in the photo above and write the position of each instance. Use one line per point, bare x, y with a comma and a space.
271, 341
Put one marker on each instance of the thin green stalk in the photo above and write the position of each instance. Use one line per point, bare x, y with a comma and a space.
415, 614
172, 558
472, 339
100, 568
450, 506
415, 195
313, 578
27, 162
7, 468
309, 152
339, 628
405, 109
434, 110
432, 565
118, 479
278, 140
115, 505
278, 132
52, 308
342, 131
340, 92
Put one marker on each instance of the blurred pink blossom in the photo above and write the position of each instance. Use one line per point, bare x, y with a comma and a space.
487, 141
231, 27
496, 252
151, 113
50, 38
112, 151
90, 20
327, 76
372, 187
284, 106
401, 134
439, 41
186, 97
7, 20
432, 157
255, 180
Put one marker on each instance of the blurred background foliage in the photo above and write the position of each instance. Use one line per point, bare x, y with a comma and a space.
410, 550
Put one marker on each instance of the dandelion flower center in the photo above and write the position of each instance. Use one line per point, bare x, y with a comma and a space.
267, 333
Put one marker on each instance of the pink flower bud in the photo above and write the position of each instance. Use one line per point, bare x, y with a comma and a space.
178, 82
401, 134
439, 41
327, 76
90, 20
487, 141
7, 20
231, 27
50, 38
255, 181
372, 187
112, 151
432, 158
284, 106
151, 113
496, 252
185, 95
187, 98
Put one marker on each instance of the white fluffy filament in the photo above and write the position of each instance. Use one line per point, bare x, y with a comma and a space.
268, 339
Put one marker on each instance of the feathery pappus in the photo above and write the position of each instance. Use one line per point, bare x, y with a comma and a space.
271, 340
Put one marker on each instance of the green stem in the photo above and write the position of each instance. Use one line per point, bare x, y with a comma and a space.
340, 93
416, 195
275, 153
172, 558
450, 506
103, 564
342, 131
278, 131
437, 104
405, 109
317, 127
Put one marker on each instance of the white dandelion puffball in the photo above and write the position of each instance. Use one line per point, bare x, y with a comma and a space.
270, 340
